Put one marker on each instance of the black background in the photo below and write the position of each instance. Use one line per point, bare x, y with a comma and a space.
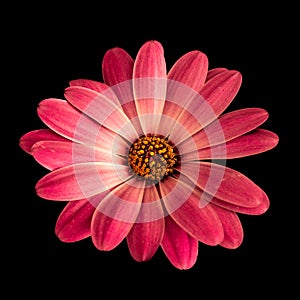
49, 46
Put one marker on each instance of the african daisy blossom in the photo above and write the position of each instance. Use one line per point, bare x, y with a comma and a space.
141, 157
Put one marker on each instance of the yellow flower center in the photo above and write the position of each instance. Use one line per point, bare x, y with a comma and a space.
152, 157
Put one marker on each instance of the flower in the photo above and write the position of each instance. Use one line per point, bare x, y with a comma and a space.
142, 156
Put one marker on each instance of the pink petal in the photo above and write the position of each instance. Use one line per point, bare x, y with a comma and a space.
224, 183
64, 119
102, 109
233, 230
53, 155
226, 128
117, 66
108, 141
182, 116
80, 181
152, 209
150, 84
144, 239
116, 215
150, 61
168, 119
205, 107
98, 87
258, 141
190, 69
176, 121
182, 201
185, 78
221, 90
90, 84
57, 154
258, 210
117, 69
82, 97
30, 138
187, 124
213, 72
239, 122
146, 235
74, 222
180, 248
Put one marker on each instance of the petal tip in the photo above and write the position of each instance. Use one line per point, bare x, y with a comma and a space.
236, 74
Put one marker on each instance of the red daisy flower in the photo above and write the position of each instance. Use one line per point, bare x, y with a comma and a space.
141, 157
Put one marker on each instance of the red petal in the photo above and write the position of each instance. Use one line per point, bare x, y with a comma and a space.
226, 128
187, 123
64, 119
146, 235
116, 215
205, 107
117, 69
30, 138
183, 204
144, 239
150, 61
233, 230
221, 90
213, 72
150, 84
190, 69
258, 210
180, 248
258, 141
105, 111
57, 154
80, 181
117, 66
90, 84
74, 222
186, 111
224, 183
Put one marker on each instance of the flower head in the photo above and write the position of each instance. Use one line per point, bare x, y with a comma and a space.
142, 156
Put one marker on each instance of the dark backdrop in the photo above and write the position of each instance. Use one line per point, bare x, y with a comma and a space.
50, 46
